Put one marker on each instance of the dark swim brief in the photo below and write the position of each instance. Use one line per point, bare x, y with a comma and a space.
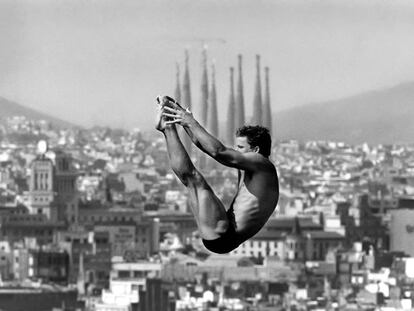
228, 241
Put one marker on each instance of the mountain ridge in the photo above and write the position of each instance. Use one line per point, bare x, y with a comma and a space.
10, 108
377, 116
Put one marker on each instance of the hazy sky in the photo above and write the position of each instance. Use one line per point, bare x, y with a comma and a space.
104, 61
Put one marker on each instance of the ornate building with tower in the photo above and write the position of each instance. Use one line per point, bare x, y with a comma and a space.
41, 190
52, 187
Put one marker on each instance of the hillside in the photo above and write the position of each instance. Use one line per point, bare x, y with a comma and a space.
9, 108
384, 116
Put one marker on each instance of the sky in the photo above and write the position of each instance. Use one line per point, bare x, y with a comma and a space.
103, 62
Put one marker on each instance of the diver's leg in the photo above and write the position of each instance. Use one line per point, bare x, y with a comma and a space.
209, 212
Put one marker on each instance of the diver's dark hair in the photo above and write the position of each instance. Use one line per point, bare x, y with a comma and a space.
257, 136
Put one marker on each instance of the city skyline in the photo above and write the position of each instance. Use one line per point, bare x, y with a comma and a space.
103, 63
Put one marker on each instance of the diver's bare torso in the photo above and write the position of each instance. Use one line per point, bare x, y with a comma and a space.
256, 199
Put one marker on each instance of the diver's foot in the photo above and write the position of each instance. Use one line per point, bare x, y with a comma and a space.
160, 120
169, 102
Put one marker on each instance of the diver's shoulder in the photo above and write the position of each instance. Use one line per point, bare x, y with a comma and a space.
268, 164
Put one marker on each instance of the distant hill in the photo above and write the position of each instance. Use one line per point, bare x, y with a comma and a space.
9, 109
384, 116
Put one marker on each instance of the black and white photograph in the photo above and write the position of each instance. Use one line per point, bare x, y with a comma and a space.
206, 155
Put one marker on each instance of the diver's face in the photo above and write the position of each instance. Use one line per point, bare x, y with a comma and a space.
242, 145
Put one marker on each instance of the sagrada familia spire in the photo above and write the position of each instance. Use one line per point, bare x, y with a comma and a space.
231, 112
262, 113
204, 89
186, 101
177, 92
212, 119
203, 102
267, 111
257, 101
239, 107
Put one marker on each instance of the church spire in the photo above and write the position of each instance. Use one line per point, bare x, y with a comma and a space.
257, 101
177, 92
203, 102
230, 111
204, 89
267, 110
186, 101
212, 119
239, 107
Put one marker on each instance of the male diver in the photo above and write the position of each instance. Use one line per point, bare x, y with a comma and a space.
222, 230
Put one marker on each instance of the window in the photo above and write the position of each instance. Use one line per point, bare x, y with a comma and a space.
138, 274
123, 274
